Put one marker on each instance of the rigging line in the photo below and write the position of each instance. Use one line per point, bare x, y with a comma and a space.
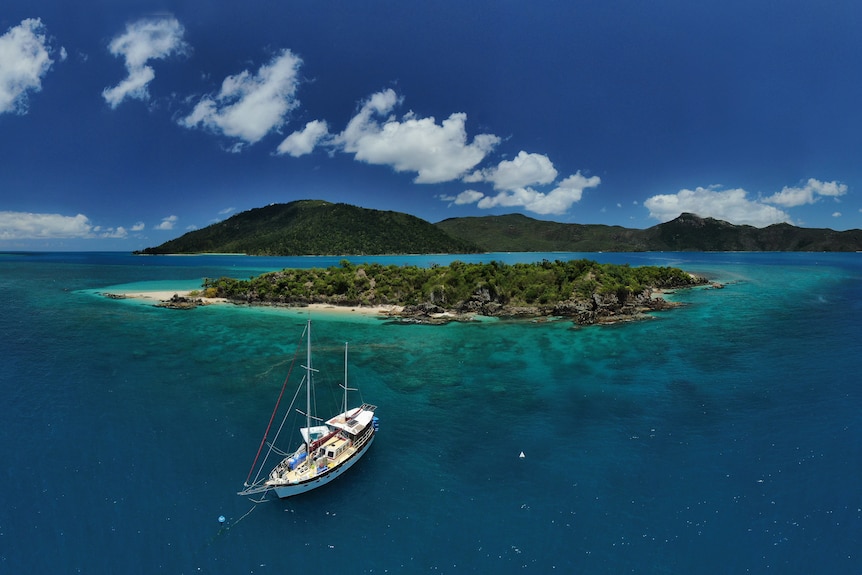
278, 451
274, 411
277, 433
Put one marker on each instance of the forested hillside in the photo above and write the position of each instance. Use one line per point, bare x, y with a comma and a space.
688, 232
314, 227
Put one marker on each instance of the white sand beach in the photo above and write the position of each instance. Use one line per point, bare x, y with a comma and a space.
164, 295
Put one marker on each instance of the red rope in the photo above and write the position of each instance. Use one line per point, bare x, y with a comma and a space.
274, 411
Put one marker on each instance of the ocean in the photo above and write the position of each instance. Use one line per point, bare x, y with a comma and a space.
724, 436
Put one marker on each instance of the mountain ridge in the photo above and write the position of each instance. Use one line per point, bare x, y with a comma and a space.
317, 227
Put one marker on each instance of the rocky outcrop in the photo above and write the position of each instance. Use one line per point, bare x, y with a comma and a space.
598, 309
180, 302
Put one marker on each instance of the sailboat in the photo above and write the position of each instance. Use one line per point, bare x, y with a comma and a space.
328, 448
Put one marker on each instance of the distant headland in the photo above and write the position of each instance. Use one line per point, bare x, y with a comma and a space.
316, 227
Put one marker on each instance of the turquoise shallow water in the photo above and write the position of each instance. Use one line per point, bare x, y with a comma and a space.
721, 437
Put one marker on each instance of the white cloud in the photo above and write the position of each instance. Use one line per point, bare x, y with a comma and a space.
302, 142
24, 60
790, 197
436, 152
226, 211
138, 227
730, 205
30, 226
465, 197
167, 223
557, 201
24, 225
114, 233
525, 170
144, 40
249, 106
836, 214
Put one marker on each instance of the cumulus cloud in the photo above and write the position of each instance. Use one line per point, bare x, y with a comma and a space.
436, 152
729, 205
114, 233
27, 226
24, 59
525, 170
809, 193
167, 223
465, 197
516, 180
138, 227
250, 105
144, 40
304, 141
30, 226
569, 191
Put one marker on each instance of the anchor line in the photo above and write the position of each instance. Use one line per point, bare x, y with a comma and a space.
247, 513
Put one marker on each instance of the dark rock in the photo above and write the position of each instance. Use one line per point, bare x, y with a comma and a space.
180, 302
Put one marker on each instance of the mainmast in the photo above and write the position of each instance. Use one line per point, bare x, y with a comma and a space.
308, 391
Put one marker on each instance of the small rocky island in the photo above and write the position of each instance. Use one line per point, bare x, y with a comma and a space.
584, 291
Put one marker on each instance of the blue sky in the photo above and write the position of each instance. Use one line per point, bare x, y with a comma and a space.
126, 124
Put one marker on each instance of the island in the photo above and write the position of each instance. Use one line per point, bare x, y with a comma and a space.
585, 291
317, 227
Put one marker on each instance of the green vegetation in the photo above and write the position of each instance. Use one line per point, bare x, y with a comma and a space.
453, 287
519, 233
688, 232
312, 227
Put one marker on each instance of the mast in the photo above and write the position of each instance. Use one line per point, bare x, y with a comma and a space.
344, 411
308, 392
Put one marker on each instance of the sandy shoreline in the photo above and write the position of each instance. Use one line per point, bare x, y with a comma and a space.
165, 295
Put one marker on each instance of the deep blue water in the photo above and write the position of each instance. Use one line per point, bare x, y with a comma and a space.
721, 437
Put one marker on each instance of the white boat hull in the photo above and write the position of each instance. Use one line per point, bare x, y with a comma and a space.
284, 491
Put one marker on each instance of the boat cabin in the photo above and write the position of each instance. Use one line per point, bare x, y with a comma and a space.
333, 448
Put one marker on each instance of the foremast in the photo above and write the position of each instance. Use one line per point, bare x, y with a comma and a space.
344, 386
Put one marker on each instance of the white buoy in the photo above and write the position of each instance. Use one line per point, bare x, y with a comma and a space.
221, 519
522, 456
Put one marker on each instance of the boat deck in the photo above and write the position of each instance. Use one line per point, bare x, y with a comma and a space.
318, 464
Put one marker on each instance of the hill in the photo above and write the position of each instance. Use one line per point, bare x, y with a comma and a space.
519, 233
315, 227
688, 232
